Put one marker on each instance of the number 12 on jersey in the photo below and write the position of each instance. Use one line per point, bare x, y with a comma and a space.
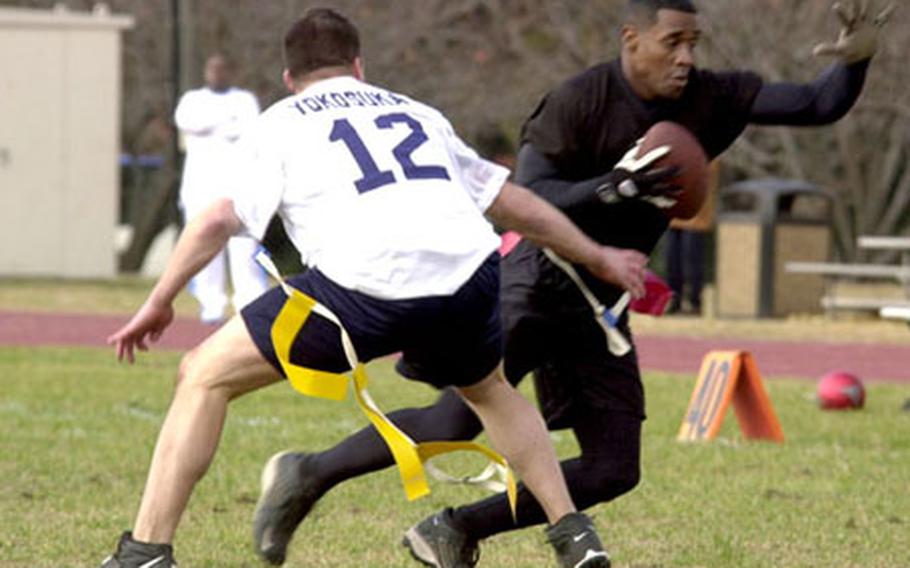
373, 177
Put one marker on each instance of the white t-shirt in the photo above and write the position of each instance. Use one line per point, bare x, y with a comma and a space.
375, 189
211, 123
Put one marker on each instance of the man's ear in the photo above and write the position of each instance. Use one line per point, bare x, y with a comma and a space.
288, 81
630, 37
359, 70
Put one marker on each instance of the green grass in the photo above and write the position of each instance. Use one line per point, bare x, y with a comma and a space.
122, 295
76, 431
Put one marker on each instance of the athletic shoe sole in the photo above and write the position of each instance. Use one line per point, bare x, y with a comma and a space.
420, 550
272, 492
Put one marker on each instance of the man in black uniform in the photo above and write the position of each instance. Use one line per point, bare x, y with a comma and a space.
570, 148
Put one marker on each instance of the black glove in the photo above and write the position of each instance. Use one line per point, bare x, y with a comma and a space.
636, 178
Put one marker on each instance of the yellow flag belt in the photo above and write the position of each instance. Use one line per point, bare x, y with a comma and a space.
409, 455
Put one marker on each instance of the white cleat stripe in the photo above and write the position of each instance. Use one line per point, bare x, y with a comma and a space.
151, 563
591, 555
578, 538
421, 548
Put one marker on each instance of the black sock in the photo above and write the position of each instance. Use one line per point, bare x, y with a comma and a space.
365, 451
608, 468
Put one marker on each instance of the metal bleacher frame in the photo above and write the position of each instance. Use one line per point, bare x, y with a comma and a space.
890, 308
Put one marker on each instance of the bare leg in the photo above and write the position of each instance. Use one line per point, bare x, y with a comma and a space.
517, 430
223, 367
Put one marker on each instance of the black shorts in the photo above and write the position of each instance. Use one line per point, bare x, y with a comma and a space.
550, 330
445, 340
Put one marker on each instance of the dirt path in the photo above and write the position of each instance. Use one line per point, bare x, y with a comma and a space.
77, 330
805, 359
781, 358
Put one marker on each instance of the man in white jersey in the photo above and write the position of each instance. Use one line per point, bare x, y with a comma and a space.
212, 120
387, 206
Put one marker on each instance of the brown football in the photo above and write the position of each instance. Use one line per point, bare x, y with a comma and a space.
688, 155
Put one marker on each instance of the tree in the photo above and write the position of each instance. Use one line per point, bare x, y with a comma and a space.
489, 62
863, 159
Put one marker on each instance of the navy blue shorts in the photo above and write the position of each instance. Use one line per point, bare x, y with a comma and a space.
444, 340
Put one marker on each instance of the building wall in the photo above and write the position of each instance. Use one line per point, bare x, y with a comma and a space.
59, 141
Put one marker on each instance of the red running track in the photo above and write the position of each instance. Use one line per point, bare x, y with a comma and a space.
657, 353
877, 362
27, 329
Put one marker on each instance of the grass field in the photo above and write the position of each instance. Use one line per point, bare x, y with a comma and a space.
77, 430
122, 295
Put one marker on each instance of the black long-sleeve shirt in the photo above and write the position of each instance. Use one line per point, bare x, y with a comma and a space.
582, 128
823, 101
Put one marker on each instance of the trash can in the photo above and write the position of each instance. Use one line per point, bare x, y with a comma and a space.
762, 225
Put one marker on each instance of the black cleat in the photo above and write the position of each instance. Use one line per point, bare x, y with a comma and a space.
134, 554
289, 491
435, 541
576, 543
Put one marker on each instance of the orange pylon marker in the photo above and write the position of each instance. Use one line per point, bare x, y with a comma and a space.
726, 376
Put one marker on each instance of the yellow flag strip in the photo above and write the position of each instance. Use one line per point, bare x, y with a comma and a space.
410, 457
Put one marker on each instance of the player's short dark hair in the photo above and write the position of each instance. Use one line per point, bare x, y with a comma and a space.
321, 38
646, 10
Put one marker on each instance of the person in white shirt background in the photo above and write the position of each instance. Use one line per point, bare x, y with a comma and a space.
211, 121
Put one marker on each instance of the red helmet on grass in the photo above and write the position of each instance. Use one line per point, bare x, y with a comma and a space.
839, 390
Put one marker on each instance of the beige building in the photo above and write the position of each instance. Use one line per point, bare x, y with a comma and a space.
60, 97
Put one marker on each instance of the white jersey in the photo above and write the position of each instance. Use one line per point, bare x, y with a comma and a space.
375, 189
211, 123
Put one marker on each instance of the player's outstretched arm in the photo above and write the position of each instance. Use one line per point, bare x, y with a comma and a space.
823, 101
833, 94
518, 209
201, 240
